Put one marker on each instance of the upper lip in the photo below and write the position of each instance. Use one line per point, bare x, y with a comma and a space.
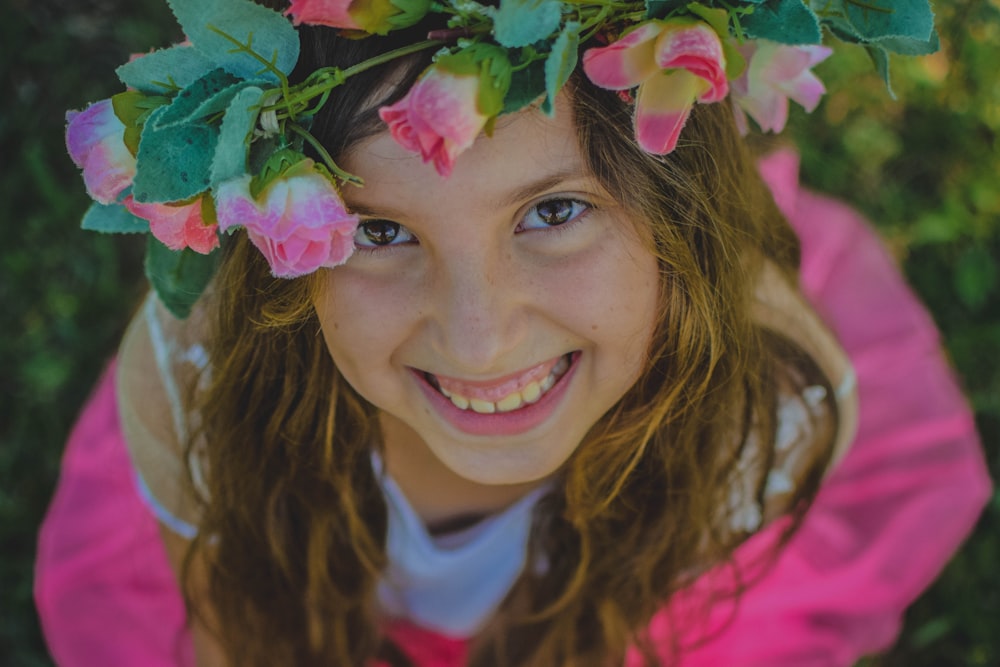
502, 384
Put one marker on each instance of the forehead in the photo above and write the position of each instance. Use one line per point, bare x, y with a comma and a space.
526, 147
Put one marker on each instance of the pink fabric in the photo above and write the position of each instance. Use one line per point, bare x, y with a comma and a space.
883, 525
104, 589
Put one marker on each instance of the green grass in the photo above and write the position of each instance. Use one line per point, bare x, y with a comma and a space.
924, 168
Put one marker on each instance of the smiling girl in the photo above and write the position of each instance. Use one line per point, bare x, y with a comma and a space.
547, 389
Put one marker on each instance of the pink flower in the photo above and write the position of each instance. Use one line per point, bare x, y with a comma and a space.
775, 74
373, 16
298, 220
177, 226
331, 13
674, 63
439, 117
95, 141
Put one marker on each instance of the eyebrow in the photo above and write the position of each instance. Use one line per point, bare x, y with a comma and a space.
536, 187
517, 193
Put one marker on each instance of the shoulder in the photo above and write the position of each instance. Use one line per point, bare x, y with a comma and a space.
160, 363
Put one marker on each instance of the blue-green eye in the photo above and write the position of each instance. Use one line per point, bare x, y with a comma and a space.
553, 213
381, 233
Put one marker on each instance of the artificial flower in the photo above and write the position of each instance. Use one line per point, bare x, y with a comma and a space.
178, 226
372, 16
95, 140
297, 221
674, 63
775, 74
451, 103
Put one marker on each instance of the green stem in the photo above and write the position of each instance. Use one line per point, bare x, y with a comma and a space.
324, 80
391, 55
345, 176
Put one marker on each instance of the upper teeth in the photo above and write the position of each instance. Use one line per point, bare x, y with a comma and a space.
514, 400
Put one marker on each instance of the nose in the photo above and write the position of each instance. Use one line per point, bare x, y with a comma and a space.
479, 310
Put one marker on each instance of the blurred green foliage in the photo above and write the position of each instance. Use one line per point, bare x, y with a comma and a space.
925, 168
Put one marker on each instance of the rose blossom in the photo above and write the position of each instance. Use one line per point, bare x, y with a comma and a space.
373, 16
439, 117
776, 73
298, 221
674, 64
331, 13
177, 226
95, 141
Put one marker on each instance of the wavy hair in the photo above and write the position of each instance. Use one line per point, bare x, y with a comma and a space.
293, 532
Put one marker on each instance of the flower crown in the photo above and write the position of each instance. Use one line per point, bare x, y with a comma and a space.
211, 135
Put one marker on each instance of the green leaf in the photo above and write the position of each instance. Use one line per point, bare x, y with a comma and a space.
132, 108
908, 46
165, 70
877, 19
717, 18
230, 158
560, 64
185, 106
526, 86
179, 277
976, 276
112, 219
523, 22
880, 58
173, 163
784, 21
276, 165
490, 63
269, 34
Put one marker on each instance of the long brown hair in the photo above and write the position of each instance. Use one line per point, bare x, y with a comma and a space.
294, 525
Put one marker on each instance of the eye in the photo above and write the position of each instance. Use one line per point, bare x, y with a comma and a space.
553, 213
381, 233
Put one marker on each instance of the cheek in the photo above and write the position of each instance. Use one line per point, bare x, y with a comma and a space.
615, 293
361, 320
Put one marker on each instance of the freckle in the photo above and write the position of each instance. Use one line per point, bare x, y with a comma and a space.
593, 327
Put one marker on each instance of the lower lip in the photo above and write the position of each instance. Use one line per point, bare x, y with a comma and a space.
500, 423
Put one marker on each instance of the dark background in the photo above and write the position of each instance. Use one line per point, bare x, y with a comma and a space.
925, 168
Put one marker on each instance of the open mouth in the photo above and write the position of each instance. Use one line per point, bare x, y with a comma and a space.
506, 396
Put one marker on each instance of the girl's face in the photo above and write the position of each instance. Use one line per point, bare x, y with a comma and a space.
492, 316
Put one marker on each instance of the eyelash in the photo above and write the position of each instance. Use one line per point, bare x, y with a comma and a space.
409, 237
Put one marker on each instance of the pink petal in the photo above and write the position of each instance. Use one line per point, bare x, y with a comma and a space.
439, 118
331, 13
300, 224
806, 90
233, 204
95, 141
742, 126
108, 170
662, 108
626, 63
695, 48
177, 227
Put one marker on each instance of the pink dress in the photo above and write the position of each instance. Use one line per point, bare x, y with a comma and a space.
882, 527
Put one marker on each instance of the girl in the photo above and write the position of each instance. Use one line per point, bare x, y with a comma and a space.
547, 390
